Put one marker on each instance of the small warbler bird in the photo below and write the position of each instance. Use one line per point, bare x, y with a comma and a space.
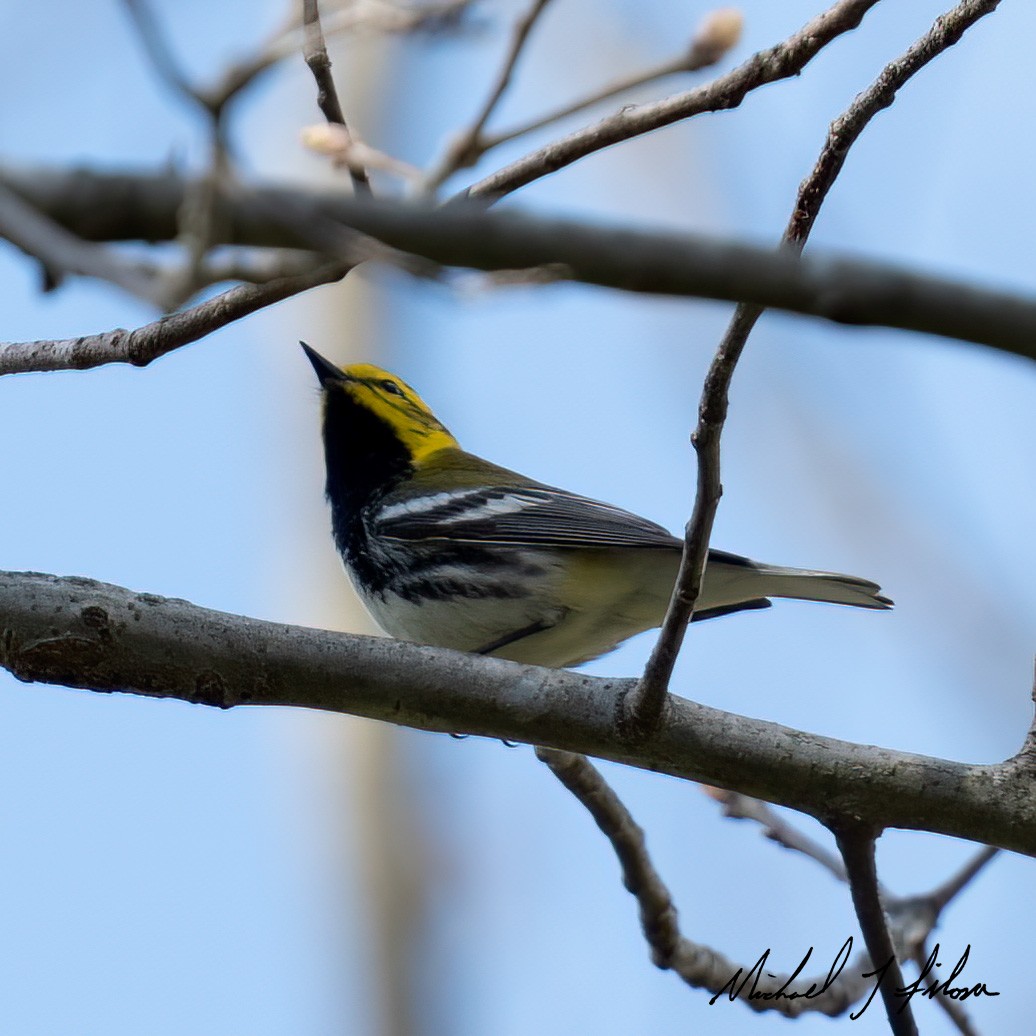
448, 549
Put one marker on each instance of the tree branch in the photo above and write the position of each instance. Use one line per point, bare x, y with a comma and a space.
841, 290
728, 91
469, 145
718, 32
647, 704
705, 968
699, 966
81, 633
856, 844
62, 252
315, 53
147, 343
742, 807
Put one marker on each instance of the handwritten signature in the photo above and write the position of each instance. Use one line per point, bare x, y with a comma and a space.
746, 983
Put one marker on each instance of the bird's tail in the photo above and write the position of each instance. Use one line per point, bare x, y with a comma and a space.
806, 585
733, 582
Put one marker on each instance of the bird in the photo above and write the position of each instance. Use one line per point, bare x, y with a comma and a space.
450, 550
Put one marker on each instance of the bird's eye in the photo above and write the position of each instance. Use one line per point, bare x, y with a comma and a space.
390, 386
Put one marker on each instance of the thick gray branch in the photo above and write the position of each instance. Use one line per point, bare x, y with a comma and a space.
123, 207
80, 633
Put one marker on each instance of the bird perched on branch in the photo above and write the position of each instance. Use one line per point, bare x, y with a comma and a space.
448, 549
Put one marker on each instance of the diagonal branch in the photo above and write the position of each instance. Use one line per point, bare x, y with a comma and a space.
161, 57
144, 344
728, 91
742, 807
469, 145
718, 33
646, 705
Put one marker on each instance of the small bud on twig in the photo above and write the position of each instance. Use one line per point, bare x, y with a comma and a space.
345, 151
718, 32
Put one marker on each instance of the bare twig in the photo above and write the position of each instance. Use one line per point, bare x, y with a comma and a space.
743, 807
856, 844
285, 41
911, 919
645, 707
728, 91
161, 57
147, 343
936, 901
338, 144
945, 893
315, 52
697, 965
198, 216
954, 1011
846, 129
468, 146
718, 33
658, 915
259, 265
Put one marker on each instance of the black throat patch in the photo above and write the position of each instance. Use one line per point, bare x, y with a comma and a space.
365, 459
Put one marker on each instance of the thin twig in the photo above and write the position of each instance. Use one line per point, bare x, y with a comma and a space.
468, 146
258, 265
315, 53
703, 52
728, 91
645, 707
198, 216
945, 893
705, 968
160, 55
846, 129
953, 1010
936, 901
147, 343
914, 916
856, 844
285, 40
744, 807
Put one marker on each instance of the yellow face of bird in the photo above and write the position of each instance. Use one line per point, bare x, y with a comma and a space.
392, 400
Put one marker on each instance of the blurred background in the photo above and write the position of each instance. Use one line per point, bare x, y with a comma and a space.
169, 868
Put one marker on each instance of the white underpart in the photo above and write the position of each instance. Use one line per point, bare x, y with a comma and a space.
625, 597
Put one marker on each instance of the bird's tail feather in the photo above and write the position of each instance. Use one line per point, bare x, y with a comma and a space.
806, 585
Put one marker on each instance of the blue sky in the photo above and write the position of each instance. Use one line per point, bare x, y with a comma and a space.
170, 868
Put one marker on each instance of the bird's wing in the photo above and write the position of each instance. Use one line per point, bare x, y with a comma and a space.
517, 514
